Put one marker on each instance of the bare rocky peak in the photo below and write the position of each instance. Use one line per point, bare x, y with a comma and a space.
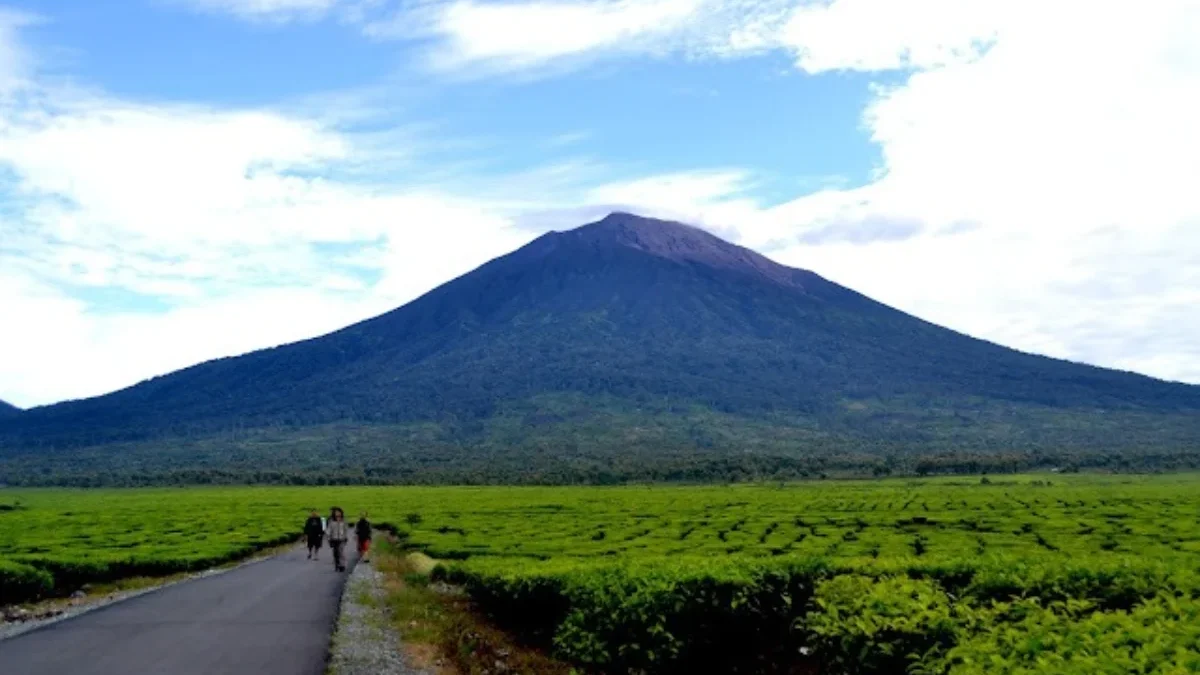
680, 242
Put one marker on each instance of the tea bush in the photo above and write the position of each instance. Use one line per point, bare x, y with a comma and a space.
1013, 575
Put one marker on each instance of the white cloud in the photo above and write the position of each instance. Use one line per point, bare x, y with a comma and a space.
478, 37
874, 35
717, 200
520, 35
128, 166
65, 351
684, 194
274, 10
841, 35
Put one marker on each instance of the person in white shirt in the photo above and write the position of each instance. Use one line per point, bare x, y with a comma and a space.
338, 532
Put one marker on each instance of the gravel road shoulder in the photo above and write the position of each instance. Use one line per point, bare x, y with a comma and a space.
365, 643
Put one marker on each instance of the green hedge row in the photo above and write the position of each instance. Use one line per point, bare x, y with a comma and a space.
19, 582
31, 577
1160, 636
761, 616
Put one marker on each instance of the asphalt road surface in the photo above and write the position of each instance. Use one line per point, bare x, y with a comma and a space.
272, 617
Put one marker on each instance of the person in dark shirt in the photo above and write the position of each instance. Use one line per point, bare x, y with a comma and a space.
314, 530
362, 530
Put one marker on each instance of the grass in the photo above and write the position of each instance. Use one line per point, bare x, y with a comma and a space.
440, 628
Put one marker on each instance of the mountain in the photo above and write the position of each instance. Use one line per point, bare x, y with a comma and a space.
7, 409
627, 348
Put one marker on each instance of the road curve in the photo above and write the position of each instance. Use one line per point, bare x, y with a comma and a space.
272, 617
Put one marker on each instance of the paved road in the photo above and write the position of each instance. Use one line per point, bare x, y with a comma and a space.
272, 617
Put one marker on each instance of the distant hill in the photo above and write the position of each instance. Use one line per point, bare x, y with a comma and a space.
7, 409
627, 348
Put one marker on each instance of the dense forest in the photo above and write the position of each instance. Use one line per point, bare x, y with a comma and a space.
601, 447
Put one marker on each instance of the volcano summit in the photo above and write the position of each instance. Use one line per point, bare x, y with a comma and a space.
629, 348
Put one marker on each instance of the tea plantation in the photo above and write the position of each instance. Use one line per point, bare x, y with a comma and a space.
1045, 574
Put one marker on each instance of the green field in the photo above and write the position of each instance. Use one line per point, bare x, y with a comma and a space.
1035, 574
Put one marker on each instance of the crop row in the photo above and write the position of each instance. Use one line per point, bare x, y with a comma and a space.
945, 575
39, 576
754, 615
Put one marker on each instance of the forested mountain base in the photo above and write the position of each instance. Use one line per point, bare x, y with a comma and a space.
570, 440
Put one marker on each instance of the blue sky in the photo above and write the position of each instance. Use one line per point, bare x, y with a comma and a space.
640, 115
187, 179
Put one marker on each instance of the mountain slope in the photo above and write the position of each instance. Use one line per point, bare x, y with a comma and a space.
8, 409
643, 323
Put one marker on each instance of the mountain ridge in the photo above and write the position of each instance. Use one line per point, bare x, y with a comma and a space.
647, 324
683, 243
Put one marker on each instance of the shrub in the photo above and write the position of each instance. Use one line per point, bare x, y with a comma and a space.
20, 582
865, 625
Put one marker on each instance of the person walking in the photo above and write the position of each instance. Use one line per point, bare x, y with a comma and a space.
338, 532
314, 531
362, 530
